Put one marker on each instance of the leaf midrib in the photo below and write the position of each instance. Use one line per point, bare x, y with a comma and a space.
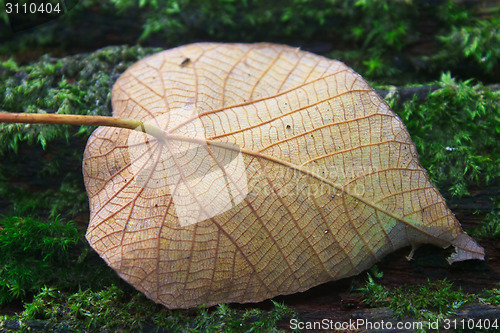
298, 168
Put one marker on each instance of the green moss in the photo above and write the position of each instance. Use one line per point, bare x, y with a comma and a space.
72, 85
113, 309
456, 132
490, 226
65, 286
428, 302
491, 296
35, 252
475, 45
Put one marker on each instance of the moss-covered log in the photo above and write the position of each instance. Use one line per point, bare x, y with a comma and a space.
443, 52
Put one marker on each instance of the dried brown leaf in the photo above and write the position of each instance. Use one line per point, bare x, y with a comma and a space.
280, 170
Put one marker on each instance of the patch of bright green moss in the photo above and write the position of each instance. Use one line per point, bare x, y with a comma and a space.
78, 84
456, 132
492, 296
475, 45
35, 252
429, 301
65, 286
112, 309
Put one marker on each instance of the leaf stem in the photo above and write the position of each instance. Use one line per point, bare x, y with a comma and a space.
69, 119
85, 120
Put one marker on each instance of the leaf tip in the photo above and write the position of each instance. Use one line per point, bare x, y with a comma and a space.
466, 248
